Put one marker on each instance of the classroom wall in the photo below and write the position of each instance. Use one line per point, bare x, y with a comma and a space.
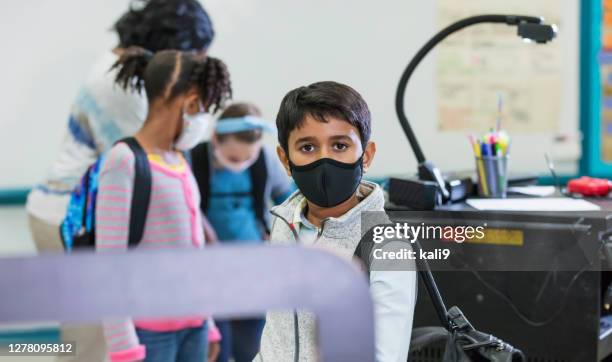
271, 47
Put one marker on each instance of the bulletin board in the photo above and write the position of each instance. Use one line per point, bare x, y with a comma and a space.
539, 84
481, 64
605, 61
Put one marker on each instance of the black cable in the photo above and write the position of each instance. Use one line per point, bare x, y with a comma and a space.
432, 290
517, 311
296, 330
520, 314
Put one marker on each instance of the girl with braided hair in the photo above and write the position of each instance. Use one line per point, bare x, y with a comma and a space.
183, 89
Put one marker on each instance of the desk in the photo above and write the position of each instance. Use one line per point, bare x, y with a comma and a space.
573, 335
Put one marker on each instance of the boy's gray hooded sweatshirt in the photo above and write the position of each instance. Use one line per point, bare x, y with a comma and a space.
393, 292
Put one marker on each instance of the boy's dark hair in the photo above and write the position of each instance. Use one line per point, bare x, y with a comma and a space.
169, 73
321, 100
240, 110
165, 24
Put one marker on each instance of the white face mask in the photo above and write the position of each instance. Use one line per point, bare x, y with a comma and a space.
234, 166
194, 129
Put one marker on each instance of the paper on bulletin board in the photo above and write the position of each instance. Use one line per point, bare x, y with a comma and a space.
478, 63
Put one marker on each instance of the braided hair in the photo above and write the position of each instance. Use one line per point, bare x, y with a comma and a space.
168, 73
131, 67
213, 81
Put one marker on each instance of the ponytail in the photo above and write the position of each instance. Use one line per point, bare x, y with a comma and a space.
170, 73
131, 68
212, 79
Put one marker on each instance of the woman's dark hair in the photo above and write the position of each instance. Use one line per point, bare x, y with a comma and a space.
169, 73
165, 24
321, 100
240, 110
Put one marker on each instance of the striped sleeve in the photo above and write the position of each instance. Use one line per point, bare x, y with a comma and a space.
114, 198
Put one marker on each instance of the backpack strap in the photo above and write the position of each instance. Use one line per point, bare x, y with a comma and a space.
201, 168
141, 194
259, 178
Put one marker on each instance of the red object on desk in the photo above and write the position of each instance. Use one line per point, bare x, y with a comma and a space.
589, 186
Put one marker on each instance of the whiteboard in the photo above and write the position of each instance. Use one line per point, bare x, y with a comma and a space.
270, 46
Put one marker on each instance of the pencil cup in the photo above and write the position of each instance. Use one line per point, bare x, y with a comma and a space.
492, 176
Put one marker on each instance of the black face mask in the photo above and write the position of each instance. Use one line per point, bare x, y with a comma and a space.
327, 182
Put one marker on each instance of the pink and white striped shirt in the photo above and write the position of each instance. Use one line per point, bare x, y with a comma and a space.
173, 221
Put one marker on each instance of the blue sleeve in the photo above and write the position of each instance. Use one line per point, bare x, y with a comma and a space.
282, 197
281, 185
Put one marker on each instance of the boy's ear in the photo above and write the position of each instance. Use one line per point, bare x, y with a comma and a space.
282, 156
368, 155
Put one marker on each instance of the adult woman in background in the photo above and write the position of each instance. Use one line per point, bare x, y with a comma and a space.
101, 114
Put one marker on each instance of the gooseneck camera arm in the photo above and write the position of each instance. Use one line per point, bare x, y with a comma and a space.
529, 27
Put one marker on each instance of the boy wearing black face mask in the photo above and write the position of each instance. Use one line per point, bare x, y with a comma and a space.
324, 136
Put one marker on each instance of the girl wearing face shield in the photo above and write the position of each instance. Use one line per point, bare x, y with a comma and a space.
239, 179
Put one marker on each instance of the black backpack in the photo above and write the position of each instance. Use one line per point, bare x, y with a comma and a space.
201, 165
78, 229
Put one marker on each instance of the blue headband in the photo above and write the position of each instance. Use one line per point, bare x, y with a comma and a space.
240, 124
